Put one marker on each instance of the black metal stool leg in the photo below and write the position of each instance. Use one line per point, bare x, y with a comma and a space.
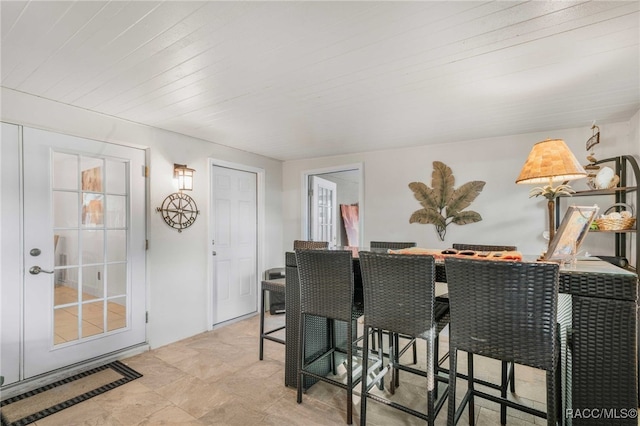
503, 391
472, 408
262, 325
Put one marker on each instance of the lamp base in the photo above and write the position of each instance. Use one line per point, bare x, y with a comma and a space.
551, 207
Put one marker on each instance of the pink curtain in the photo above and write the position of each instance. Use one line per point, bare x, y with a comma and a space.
351, 223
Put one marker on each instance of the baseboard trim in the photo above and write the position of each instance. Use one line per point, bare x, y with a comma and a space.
233, 320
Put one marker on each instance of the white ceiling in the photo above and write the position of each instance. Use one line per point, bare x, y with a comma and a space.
292, 80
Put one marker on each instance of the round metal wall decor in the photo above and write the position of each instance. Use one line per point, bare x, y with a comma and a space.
179, 211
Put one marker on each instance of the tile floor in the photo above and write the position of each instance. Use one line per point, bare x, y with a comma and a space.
66, 315
215, 378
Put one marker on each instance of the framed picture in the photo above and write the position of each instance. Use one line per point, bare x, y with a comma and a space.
571, 232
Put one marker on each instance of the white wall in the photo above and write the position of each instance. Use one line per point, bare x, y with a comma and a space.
177, 272
177, 262
509, 216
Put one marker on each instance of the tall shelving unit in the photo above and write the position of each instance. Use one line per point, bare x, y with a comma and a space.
625, 166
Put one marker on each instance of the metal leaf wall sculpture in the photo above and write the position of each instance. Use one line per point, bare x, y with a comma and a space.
443, 204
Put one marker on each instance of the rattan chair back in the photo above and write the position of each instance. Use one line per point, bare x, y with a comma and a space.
392, 245
303, 244
483, 247
398, 292
326, 283
504, 310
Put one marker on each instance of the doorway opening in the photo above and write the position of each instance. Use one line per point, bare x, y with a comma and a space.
333, 205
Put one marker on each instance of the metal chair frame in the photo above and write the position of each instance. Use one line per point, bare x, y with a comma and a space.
271, 286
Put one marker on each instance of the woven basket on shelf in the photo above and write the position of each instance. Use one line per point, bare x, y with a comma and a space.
616, 224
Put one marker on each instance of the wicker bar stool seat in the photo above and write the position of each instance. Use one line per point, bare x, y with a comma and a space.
399, 297
506, 311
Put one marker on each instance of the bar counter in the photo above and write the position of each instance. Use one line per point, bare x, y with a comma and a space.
597, 314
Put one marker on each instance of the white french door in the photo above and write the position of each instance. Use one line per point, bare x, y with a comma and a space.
84, 249
234, 224
324, 210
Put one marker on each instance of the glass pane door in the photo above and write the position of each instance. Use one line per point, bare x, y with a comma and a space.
90, 246
84, 249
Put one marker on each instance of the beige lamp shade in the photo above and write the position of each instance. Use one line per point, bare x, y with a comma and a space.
550, 161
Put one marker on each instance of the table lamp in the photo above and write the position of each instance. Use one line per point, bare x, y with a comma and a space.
551, 161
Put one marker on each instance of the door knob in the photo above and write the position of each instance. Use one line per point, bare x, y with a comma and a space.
35, 270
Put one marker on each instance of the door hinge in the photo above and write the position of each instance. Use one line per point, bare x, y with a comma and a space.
146, 244
146, 317
145, 171
311, 193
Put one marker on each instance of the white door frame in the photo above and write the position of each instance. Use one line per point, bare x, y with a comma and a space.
11, 254
12, 280
37, 147
260, 205
304, 196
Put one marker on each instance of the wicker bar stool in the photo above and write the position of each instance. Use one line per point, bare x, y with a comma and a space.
506, 311
393, 245
326, 290
273, 286
277, 286
508, 369
399, 297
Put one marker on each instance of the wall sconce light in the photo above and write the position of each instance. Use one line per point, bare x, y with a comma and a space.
184, 175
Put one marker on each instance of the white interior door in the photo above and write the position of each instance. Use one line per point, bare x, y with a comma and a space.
324, 210
234, 207
84, 249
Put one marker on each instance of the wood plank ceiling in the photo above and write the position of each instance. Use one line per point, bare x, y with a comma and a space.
293, 80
